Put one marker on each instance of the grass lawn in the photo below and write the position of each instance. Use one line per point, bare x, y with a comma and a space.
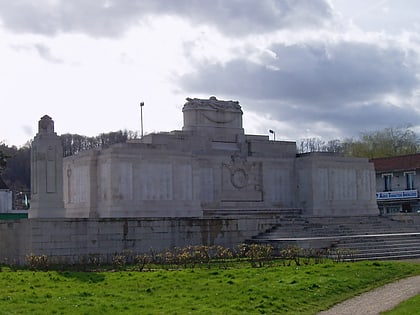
237, 290
409, 307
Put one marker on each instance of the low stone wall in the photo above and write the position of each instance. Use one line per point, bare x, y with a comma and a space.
405, 217
72, 240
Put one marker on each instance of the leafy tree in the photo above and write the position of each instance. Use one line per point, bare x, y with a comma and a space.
383, 143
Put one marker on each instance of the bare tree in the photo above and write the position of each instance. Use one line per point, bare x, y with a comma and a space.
74, 143
318, 145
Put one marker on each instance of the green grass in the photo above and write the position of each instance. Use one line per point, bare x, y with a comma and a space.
409, 307
238, 290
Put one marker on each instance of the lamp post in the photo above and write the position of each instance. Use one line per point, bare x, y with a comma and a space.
274, 134
141, 118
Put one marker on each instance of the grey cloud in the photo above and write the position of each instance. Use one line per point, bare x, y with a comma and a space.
49, 18
349, 119
313, 74
45, 53
112, 17
242, 17
344, 85
42, 50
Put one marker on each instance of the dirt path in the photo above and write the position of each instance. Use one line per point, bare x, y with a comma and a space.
378, 300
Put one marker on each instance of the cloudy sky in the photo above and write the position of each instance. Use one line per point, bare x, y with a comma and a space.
304, 68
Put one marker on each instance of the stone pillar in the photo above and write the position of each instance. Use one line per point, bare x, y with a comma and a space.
46, 173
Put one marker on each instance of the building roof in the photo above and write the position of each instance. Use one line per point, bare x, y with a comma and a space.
397, 163
3, 184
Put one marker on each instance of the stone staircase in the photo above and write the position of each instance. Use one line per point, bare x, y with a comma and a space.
367, 238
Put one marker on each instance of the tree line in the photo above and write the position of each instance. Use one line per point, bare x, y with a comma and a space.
74, 143
15, 162
375, 144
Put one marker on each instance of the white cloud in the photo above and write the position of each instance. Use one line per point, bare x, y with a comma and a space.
301, 67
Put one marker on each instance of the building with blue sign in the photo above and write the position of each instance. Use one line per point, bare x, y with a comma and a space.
398, 183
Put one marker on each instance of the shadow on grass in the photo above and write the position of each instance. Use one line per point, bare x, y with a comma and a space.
91, 277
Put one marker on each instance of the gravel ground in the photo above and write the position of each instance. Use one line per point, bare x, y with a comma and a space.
378, 300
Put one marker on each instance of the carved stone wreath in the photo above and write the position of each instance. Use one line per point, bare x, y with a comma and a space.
239, 178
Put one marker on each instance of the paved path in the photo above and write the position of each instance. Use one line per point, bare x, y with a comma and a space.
378, 300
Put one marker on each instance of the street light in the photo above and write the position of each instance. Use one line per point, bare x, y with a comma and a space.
141, 118
274, 134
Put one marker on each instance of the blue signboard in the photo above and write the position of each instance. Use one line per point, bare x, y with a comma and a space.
391, 195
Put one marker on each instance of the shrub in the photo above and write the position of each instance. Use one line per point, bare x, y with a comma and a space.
37, 262
142, 261
224, 256
202, 254
290, 254
342, 254
259, 254
119, 260
188, 255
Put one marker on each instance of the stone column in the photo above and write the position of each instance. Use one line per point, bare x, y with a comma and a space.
46, 173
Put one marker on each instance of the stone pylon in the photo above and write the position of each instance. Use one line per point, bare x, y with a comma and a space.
46, 173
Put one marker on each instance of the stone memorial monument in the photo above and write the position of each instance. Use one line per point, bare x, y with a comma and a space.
209, 168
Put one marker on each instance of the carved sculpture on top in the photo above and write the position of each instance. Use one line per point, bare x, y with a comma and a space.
214, 103
211, 115
46, 125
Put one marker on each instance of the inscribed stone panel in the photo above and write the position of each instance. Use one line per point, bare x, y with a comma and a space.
342, 184
79, 184
156, 181
104, 181
183, 189
278, 185
322, 184
125, 181
206, 185
51, 171
364, 183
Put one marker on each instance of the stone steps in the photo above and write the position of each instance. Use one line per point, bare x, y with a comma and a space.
279, 213
366, 246
393, 246
340, 226
275, 235
366, 237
